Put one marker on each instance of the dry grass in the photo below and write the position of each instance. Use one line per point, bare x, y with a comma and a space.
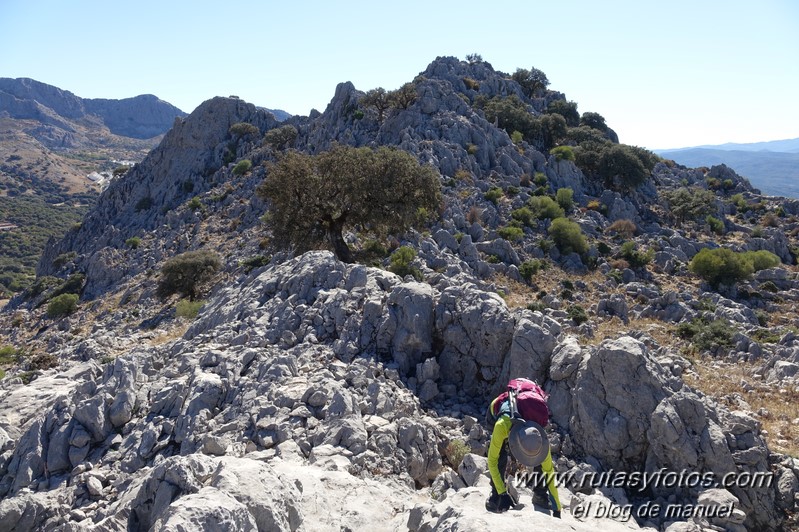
775, 407
170, 335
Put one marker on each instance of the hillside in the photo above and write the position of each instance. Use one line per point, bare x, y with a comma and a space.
57, 151
772, 167
351, 395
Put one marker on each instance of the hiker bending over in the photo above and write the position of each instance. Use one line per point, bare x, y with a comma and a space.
517, 419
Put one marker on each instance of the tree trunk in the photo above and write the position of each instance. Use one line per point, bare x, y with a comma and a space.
336, 238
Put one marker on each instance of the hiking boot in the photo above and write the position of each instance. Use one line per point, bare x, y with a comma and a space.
541, 499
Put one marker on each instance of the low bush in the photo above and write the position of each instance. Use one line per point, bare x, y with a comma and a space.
285, 136
400, 263
567, 236
544, 207
494, 194
62, 305
257, 261
524, 216
188, 309
565, 198
577, 314
716, 225
133, 242
720, 266
563, 153
242, 167
762, 260
511, 234
529, 268
185, 273
624, 228
724, 266
455, 451
635, 257
243, 129
707, 335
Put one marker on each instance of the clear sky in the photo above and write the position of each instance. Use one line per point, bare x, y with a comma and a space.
663, 74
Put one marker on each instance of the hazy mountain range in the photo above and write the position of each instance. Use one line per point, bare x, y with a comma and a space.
773, 166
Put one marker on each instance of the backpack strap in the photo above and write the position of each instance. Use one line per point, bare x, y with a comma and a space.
514, 409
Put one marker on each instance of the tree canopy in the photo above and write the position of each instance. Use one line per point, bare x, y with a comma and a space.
314, 198
531, 80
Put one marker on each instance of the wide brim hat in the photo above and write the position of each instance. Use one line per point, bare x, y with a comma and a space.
528, 443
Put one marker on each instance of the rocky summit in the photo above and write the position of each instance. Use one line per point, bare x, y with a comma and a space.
301, 392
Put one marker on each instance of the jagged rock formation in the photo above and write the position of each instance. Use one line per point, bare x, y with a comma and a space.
310, 394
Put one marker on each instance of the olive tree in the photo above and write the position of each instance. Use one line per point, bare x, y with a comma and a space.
314, 198
531, 81
185, 273
379, 99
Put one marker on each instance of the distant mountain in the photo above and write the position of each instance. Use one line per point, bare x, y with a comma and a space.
280, 114
773, 167
786, 146
55, 150
141, 117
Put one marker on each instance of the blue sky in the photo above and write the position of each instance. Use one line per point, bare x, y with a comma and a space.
663, 74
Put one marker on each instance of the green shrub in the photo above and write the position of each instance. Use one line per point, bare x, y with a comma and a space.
565, 198
243, 129
9, 354
455, 451
595, 205
529, 268
637, 259
242, 167
739, 202
73, 285
540, 179
185, 272
577, 314
511, 234
400, 263
603, 248
195, 203
493, 195
524, 216
563, 153
567, 236
544, 208
716, 225
188, 309
285, 136
63, 258
62, 305
762, 260
707, 336
133, 242
254, 262
720, 266
516, 137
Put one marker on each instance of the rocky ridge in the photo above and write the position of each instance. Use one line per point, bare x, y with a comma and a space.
308, 372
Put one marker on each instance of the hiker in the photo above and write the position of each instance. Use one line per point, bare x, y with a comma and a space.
517, 419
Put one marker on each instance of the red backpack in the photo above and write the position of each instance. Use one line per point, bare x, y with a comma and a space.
527, 399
